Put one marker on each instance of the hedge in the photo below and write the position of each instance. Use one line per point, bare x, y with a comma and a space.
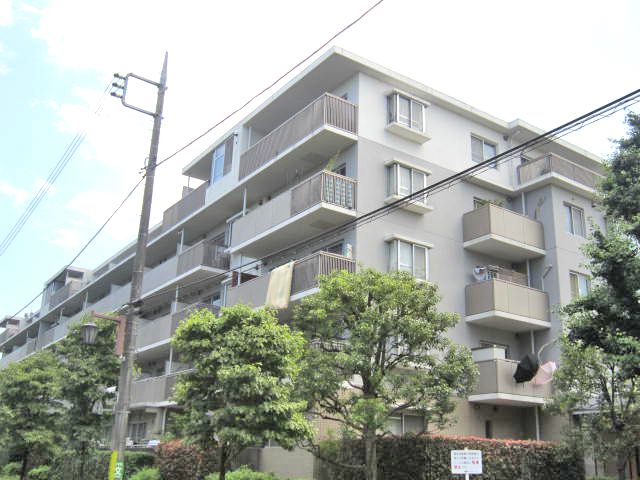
67, 465
428, 457
179, 461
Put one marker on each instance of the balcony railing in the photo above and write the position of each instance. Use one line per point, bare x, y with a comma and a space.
185, 207
325, 187
16, 355
203, 253
502, 233
328, 110
552, 163
177, 317
65, 292
153, 390
506, 306
497, 385
305, 273
307, 269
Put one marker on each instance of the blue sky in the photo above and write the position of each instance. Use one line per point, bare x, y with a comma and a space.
545, 62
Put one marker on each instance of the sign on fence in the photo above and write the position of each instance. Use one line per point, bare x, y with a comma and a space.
466, 462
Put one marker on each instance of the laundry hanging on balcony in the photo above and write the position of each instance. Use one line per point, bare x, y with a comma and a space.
527, 368
545, 373
279, 290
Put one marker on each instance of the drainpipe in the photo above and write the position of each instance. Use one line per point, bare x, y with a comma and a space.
537, 417
546, 271
244, 201
523, 201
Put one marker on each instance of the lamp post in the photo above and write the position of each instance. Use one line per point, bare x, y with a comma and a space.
90, 331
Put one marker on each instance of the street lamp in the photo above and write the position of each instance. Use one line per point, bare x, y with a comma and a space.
89, 332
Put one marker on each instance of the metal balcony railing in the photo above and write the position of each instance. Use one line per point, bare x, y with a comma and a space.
203, 253
307, 269
325, 187
65, 292
328, 110
185, 207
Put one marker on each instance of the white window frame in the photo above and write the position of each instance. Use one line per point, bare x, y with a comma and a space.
393, 111
393, 181
485, 143
571, 212
217, 159
394, 264
580, 280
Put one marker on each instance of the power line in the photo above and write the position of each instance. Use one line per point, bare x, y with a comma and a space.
3, 248
536, 142
271, 84
55, 172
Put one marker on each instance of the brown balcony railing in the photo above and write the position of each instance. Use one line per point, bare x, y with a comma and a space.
185, 207
327, 110
307, 269
510, 298
325, 187
153, 389
496, 376
552, 163
203, 253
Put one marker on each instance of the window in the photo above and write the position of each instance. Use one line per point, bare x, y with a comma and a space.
409, 257
574, 217
406, 111
137, 431
482, 150
479, 202
580, 285
341, 170
221, 159
403, 181
405, 423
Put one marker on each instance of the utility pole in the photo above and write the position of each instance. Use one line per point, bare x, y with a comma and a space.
121, 414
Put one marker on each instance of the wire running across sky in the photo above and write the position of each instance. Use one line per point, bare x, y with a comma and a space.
55, 172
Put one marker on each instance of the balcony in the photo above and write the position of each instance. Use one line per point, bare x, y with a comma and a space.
318, 203
160, 330
323, 127
154, 391
15, 356
552, 169
305, 272
202, 254
65, 292
54, 334
507, 306
501, 233
496, 386
185, 207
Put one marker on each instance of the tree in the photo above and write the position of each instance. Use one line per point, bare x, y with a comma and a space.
378, 347
86, 372
600, 364
29, 408
240, 391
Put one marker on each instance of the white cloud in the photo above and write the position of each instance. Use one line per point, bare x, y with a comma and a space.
18, 195
45, 103
67, 238
6, 13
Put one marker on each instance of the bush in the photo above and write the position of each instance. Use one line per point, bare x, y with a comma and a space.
428, 457
244, 473
67, 466
179, 461
147, 473
43, 472
11, 469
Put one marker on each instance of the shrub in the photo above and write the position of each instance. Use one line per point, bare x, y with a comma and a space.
428, 457
67, 466
11, 469
43, 472
179, 461
147, 473
244, 473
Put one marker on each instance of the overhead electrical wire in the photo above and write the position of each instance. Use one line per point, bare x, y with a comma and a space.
55, 172
10, 236
514, 152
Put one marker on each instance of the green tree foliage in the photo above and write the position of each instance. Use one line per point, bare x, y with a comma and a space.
600, 365
240, 391
30, 409
86, 373
378, 347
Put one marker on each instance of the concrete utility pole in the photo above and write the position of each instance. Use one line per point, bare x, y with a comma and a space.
121, 414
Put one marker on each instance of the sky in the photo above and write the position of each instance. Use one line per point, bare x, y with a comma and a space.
545, 62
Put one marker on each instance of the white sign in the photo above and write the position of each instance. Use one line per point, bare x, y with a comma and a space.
465, 462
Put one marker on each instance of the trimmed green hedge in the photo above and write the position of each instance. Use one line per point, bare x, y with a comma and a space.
428, 457
67, 465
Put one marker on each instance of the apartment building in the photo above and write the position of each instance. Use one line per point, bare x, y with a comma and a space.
343, 138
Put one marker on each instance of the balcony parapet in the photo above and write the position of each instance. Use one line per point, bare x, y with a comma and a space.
326, 111
71, 288
551, 165
183, 208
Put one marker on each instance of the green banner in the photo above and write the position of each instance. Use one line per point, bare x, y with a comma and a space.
119, 474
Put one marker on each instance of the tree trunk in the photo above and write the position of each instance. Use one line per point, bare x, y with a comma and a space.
83, 453
23, 471
370, 456
223, 461
621, 465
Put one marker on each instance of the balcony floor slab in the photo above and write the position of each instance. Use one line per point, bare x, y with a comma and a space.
507, 399
508, 322
503, 247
